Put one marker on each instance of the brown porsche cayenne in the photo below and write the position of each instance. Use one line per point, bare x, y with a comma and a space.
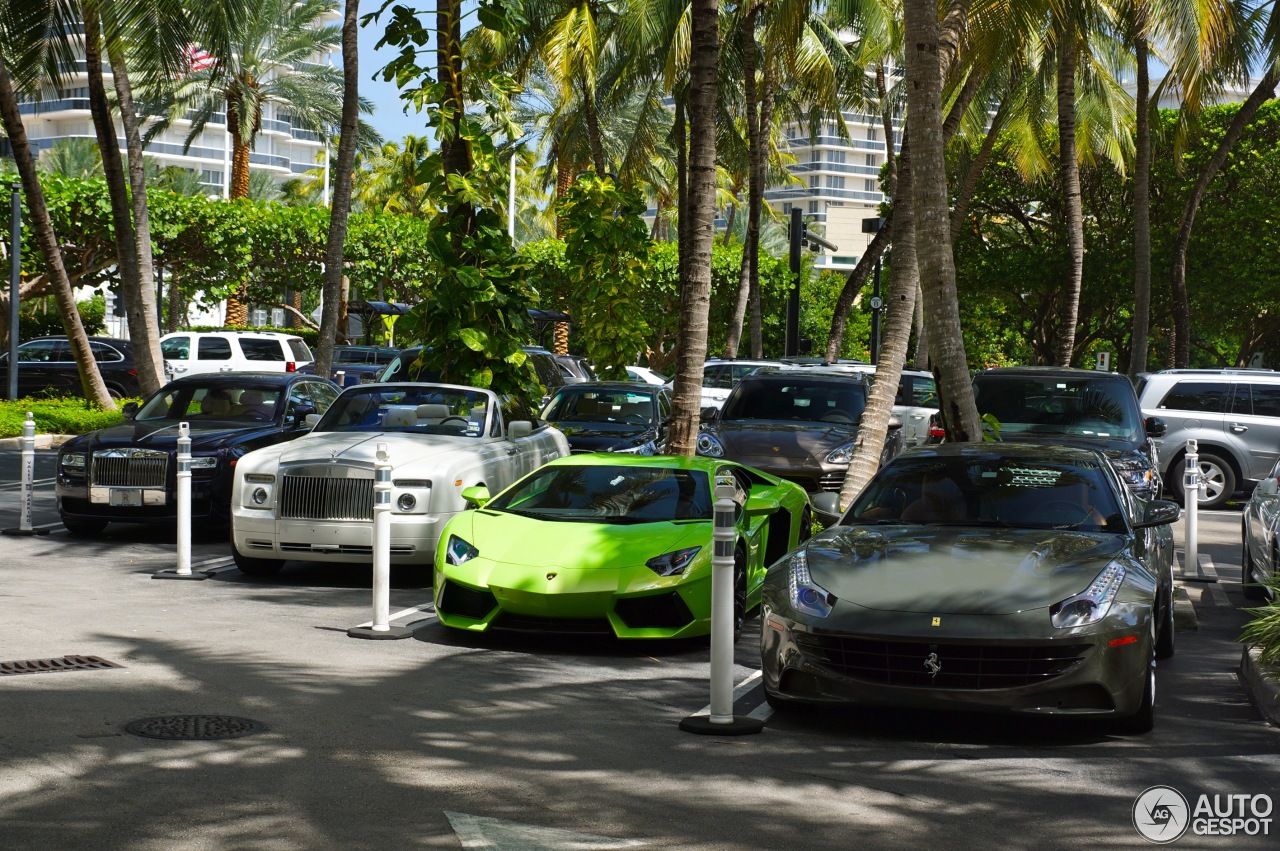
794, 424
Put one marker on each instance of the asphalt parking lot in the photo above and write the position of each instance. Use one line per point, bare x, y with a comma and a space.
443, 741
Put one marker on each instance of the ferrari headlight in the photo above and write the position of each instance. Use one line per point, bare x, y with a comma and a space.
807, 596
1090, 605
842, 454
458, 551
708, 445
646, 448
672, 564
204, 462
73, 460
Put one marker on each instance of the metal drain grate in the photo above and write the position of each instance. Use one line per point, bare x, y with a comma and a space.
49, 666
194, 727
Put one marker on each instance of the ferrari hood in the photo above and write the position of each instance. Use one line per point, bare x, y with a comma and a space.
782, 439
513, 539
957, 571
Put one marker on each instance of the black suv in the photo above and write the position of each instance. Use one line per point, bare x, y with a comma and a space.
1075, 407
45, 365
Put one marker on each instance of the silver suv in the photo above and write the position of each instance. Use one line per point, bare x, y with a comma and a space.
1234, 415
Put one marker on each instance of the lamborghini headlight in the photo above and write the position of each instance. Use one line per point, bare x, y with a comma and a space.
709, 445
1090, 605
807, 596
458, 551
842, 454
673, 563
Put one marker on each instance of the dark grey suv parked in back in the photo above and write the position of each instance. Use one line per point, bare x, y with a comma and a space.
45, 366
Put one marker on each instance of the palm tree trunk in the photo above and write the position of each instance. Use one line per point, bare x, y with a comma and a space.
564, 180
904, 279
920, 356
1141, 204
144, 325
695, 289
237, 312
593, 129
1069, 172
959, 413
1264, 91
886, 118
42, 229
340, 210
759, 173
753, 204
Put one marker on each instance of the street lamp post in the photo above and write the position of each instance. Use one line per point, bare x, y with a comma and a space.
877, 303
792, 346
15, 284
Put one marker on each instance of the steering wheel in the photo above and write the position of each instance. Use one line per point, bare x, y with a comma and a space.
634, 419
836, 417
462, 420
1068, 509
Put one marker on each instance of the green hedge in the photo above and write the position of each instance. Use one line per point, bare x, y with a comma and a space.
55, 416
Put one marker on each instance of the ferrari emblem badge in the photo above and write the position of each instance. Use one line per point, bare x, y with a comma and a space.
937, 622
932, 665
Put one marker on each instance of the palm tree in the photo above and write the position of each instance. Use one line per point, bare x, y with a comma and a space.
73, 158
393, 180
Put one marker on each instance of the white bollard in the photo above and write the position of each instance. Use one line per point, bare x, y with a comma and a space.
26, 506
182, 508
721, 720
340, 378
381, 627
1191, 489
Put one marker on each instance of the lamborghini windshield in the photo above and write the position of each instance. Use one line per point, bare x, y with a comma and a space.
1015, 492
609, 494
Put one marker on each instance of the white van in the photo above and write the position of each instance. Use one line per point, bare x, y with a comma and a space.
196, 352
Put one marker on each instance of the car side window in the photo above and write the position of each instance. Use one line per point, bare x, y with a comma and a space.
1205, 396
924, 392
322, 395
259, 350
717, 377
61, 352
38, 351
514, 408
213, 348
298, 395
664, 406
1266, 399
103, 353
178, 348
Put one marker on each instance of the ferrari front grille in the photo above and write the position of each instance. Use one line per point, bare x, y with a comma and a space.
941, 665
131, 468
325, 498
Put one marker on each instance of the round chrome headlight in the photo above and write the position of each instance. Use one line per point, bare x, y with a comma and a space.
259, 496
407, 502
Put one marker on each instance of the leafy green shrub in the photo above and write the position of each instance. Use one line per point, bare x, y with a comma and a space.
1264, 630
40, 318
55, 416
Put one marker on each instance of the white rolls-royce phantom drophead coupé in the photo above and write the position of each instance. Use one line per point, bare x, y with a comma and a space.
312, 499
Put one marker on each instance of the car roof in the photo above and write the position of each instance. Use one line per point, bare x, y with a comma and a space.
281, 378
848, 367
114, 341
788, 373
1049, 371
276, 335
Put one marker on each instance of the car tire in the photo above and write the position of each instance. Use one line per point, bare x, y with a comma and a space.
256, 566
1216, 472
1144, 720
115, 392
84, 528
778, 703
1166, 640
1248, 578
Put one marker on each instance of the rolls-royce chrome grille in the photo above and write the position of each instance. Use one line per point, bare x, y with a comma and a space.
325, 498
129, 468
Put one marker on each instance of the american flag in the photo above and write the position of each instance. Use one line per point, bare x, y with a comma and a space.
198, 59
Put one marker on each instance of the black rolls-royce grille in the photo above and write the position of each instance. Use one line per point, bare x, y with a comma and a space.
940, 665
324, 498
130, 468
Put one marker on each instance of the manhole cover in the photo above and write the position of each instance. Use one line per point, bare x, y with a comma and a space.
194, 727
49, 666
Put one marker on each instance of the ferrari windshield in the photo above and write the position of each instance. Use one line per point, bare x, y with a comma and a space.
1018, 492
574, 404
216, 400
609, 494
800, 398
412, 409
1032, 406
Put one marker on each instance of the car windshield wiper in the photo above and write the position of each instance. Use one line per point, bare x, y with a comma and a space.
535, 515
985, 524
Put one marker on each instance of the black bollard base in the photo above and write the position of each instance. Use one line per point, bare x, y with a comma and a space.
172, 573
741, 725
26, 533
393, 634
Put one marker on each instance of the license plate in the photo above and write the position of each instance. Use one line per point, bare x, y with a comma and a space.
126, 497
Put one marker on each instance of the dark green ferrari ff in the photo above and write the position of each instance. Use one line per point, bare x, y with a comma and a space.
997, 577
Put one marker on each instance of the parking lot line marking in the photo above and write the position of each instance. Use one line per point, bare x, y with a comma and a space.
427, 611
763, 712
50, 526
1216, 592
17, 486
217, 560
738, 691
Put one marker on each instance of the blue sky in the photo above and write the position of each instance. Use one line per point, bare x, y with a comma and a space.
388, 118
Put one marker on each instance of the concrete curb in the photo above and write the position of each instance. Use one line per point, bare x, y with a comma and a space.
43, 441
1262, 683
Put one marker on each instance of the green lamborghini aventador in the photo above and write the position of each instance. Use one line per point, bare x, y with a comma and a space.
612, 544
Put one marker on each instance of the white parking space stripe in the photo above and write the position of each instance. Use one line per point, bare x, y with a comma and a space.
763, 712
17, 486
1216, 591
741, 689
211, 561
425, 609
